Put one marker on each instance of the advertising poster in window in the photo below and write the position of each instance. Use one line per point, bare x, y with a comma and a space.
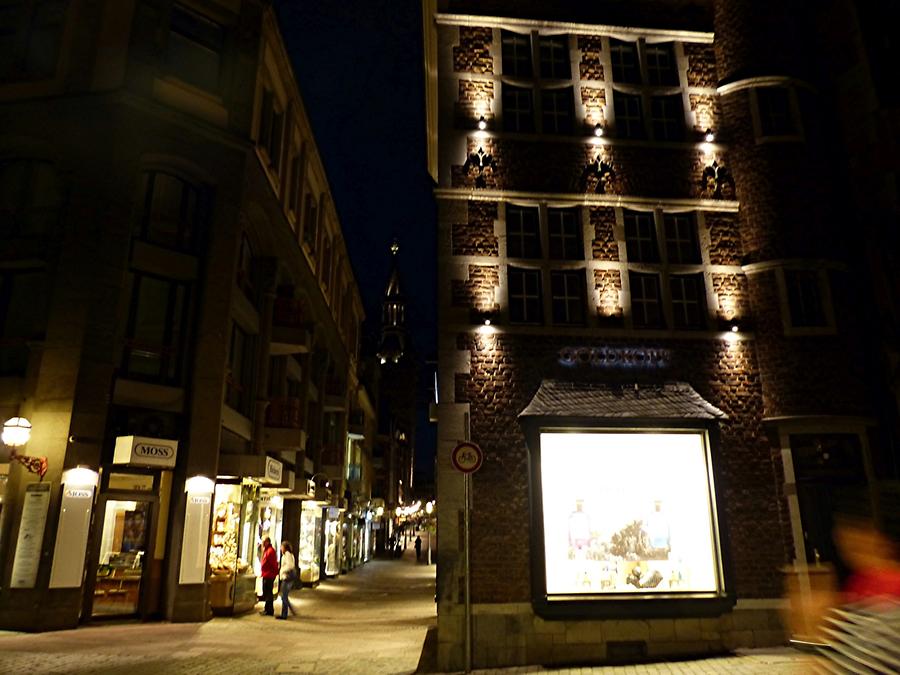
628, 513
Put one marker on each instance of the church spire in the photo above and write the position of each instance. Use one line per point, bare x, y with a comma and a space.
393, 314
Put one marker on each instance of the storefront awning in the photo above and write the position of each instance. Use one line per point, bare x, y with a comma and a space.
672, 400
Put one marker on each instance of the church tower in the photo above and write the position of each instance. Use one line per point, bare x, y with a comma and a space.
393, 344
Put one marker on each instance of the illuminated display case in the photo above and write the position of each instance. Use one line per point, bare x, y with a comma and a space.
271, 513
308, 559
332, 551
232, 548
623, 515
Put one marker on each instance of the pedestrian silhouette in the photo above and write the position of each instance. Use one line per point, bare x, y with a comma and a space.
418, 545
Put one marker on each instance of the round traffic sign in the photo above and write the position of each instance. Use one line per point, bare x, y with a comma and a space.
467, 457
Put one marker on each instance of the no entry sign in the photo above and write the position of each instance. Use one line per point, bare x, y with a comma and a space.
467, 457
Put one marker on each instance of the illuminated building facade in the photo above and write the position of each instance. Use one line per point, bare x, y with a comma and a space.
645, 321
180, 319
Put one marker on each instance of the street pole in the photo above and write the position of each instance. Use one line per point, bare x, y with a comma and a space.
468, 589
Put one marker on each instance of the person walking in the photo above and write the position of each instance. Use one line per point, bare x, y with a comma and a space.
418, 546
268, 571
287, 576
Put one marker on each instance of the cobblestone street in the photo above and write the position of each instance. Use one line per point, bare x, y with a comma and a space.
373, 620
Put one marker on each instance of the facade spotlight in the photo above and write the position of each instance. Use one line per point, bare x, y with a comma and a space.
598, 129
734, 328
709, 136
487, 322
482, 123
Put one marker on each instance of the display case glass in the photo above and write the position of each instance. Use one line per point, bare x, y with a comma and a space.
271, 510
232, 547
628, 514
308, 559
332, 546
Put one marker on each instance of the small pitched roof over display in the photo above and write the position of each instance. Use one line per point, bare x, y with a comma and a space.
672, 400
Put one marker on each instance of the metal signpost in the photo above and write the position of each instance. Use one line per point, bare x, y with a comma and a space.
467, 458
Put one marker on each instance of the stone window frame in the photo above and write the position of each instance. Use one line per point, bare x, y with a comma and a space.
537, 84
521, 234
821, 272
644, 300
796, 118
649, 91
661, 120
525, 297
680, 243
680, 303
555, 43
576, 234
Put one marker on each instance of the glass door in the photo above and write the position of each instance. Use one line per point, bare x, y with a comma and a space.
122, 557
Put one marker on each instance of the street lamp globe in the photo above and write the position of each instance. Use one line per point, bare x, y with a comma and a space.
16, 432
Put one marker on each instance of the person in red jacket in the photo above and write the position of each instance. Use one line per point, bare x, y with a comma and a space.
268, 571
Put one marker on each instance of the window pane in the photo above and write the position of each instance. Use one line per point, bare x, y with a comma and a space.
629, 115
624, 62
194, 49
668, 117
661, 64
518, 109
804, 298
681, 238
564, 234
516, 54
556, 110
567, 296
640, 237
30, 198
687, 300
147, 339
524, 295
555, 58
645, 300
173, 211
523, 237
775, 111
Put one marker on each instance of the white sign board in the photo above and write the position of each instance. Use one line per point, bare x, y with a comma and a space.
143, 451
274, 471
195, 539
31, 536
71, 537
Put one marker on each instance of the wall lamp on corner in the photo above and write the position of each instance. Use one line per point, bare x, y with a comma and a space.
482, 124
598, 129
709, 136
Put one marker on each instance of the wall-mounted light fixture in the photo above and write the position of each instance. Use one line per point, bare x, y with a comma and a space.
598, 129
80, 476
734, 328
709, 136
16, 432
199, 485
482, 124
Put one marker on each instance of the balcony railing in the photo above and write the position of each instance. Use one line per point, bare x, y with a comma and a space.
285, 413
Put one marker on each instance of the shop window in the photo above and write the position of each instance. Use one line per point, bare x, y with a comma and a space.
124, 542
646, 306
625, 66
157, 327
609, 530
640, 237
24, 301
525, 296
173, 211
555, 58
239, 379
564, 234
667, 116
681, 238
805, 299
661, 68
567, 296
310, 543
688, 304
30, 198
30, 38
194, 49
516, 48
518, 109
776, 117
629, 115
523, 234
245, 272
235, 519
556, 110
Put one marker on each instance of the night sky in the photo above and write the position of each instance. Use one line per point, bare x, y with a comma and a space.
360, 70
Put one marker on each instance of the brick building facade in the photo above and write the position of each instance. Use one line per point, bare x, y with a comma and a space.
629, 197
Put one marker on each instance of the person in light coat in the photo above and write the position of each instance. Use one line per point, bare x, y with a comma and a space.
287, 576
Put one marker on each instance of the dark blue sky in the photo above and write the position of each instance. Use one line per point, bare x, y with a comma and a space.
360, 71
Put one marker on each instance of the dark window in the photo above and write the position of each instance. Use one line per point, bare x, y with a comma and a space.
625, 66
564, 234
326, 262
687, 300
194, 50
556, 110
173, 212
239, 379
555, 58
265, 118
681, 238
775, 117
523, 234
516, 54
24, 299
518, 109
154, 346
640, 237
629, 115
311, 220
245, 276
661, 68
667, 115
30, 198
524, 295
271, 128
805, 298
645, 300
294, 189
567, 296
30, 37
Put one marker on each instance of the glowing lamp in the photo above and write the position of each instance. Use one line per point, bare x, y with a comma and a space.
80, 476
487, 322
16, 431
199, 485
709, 136
482, 124
429, 508
598, 129
734, 328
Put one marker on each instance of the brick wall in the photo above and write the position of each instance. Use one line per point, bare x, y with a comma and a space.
731, 291
476, 291
604, 245
474, 102
590, 67
724, 239
701, 70
476, 237
608, 284
473, 54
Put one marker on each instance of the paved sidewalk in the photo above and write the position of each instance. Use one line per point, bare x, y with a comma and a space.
372, 620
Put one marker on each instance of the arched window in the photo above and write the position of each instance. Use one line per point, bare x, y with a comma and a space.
173, 211
30, 197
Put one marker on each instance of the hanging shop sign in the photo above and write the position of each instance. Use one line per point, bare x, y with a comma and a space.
31, 536
615, 357
143, 451
274, 471
467, 457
